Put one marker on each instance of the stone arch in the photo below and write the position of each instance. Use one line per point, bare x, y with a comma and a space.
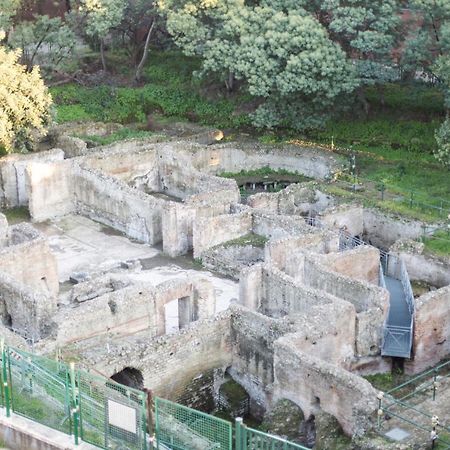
129, 376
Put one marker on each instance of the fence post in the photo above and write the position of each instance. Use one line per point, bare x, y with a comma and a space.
74, 402
149, 400
5, 378
435, 384
380, 396
238, 436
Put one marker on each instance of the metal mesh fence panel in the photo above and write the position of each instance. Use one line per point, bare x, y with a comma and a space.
179, 428
249, 439
112, 416
39, 392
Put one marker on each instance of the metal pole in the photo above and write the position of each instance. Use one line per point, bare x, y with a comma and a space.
380, 408
239, 445
5, 379
74, 402
434, 384
149, 410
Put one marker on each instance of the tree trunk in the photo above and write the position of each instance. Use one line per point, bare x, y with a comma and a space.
230, 82
362, 98
102, 54
140, 67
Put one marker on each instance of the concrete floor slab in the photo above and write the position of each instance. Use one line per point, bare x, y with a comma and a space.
80, 244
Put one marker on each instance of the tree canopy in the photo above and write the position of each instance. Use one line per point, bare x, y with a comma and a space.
24, 102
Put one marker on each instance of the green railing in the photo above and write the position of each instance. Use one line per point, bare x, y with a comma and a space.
94, 409
404, 403
179, 428
109, 415
250, 439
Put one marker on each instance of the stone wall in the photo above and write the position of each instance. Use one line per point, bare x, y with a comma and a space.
127, 310
50, 189
431, 269
325, 386
212, 231
431, 342
13, 190
361, 263
230, 260
286, 253
279, 294
327, 332
109, 201
277, 226
297, 199
28, 260
347, 217
27, 311
234, 157
171, 363
253, 337
383, 229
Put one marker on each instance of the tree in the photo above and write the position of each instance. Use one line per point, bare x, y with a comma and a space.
284, 55
49, 36
24, 102
8, 9
101, 17
139, 25
428, 51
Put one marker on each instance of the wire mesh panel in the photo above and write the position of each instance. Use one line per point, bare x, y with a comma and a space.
249, 439
111, 415
181, 428
39, 392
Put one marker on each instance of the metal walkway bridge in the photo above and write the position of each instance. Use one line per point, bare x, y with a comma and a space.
398, 327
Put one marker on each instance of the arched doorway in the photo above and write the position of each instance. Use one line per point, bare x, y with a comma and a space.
131, 377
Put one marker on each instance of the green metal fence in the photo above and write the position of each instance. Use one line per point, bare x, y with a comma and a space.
75, 402
178, 427
404, 402
109, 415
250, 439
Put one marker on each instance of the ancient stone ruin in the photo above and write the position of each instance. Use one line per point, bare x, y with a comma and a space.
145, 263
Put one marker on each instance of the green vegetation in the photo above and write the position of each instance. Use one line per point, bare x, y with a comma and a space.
120, 135
262, 172
253, 239
383, 381
16, 215
171, 90
439, 243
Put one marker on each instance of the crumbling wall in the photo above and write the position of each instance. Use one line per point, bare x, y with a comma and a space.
431, 269
212, 231
27, 311
127, 310
49, 189
253, 336
13, 190
287, 254
347, 217
170, 363
29, 260
383, 229
230, 260
234, 157
324, 386
277, 226
123, 160
3, 230
361, 263
431, 342
109, 201
297, 199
